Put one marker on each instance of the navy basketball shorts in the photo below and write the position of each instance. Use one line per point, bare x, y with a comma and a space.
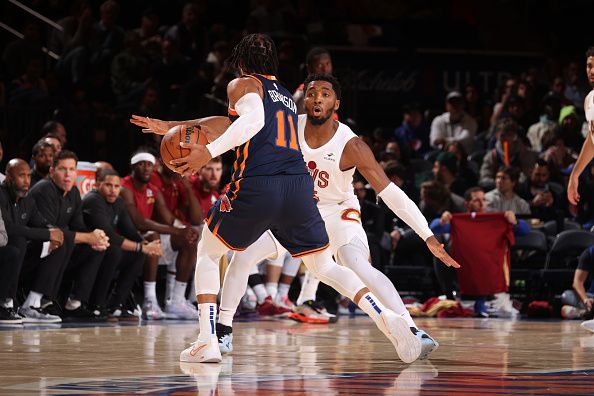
283, 204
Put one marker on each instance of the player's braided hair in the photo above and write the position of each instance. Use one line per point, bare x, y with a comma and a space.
590, 52
255, 53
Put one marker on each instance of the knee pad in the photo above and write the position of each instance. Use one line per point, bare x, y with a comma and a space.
320, 264
353, 253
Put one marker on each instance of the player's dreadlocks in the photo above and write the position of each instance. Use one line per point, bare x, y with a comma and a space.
255, 53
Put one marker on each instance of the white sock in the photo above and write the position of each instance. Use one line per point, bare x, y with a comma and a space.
150, 293
272, 288
354, 256
309, 288
179, 291
169, 286
260, 292
6, 303
72, 304
226, 317
283, 290
372, 306
208, 317
33, 300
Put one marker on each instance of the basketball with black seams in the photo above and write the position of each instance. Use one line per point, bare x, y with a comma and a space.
170, 145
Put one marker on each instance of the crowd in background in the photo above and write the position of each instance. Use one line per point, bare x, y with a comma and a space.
507, 151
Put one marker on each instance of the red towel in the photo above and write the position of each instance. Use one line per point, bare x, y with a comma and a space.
481, 243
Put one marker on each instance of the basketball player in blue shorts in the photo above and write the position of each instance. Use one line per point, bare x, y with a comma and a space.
270, 189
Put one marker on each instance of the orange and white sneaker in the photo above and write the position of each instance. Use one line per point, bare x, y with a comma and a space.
202, 351
312, 312
307, 313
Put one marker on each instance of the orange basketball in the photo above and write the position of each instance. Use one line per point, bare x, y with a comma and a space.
170, 148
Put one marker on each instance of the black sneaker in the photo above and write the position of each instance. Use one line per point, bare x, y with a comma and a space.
9, 316
123, 315
102, 311
82, 314
99, 310
52, 307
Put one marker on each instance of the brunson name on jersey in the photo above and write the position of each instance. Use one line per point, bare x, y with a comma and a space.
278, 97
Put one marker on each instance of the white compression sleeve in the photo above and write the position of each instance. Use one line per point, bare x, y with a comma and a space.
405, 208
291, 265
210, 251
354, 256
340, 278
236, 278
251, 119
309, 288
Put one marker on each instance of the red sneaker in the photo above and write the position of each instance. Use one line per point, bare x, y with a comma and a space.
268, 308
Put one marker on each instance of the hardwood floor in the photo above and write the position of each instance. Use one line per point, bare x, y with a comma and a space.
273, 357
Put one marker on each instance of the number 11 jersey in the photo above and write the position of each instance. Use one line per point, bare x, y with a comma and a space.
274, 150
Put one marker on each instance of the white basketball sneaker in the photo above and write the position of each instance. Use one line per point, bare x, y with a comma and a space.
202, 352
588, 325
428, 344
225, 337
152, 311
407, 344
180, 309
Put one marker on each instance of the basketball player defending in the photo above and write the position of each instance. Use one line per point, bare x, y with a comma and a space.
271, 189
586, 155
332, 153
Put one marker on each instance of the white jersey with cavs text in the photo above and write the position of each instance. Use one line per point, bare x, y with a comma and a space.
332, 186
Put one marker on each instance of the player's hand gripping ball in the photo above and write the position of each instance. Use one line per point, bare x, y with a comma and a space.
170, 145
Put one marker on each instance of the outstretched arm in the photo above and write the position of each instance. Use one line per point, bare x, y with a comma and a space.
213, 126
357, 153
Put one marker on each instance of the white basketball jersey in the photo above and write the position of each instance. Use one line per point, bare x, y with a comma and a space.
589, 110
333, 187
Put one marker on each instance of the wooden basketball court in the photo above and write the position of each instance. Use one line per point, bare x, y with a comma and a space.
275, 357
